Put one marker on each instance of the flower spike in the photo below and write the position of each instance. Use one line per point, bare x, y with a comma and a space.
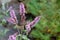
13, 18
22, 9
30, 25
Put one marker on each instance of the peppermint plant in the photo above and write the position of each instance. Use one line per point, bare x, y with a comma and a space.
23, 23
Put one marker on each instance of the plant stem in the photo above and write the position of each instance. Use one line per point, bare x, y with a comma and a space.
21, 36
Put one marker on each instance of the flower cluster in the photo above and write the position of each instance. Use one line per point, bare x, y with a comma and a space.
13, 20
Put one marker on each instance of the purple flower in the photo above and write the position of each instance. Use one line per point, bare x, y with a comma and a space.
13, 18
12, 37
22, 13
35, 21
28, 28
22, 9
30, 25
12, 13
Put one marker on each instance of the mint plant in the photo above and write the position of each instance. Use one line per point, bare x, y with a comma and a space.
13, 19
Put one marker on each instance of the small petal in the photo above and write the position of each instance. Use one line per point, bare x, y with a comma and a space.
11, 20
28, 28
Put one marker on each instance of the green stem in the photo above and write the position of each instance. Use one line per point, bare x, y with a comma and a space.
21, 35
